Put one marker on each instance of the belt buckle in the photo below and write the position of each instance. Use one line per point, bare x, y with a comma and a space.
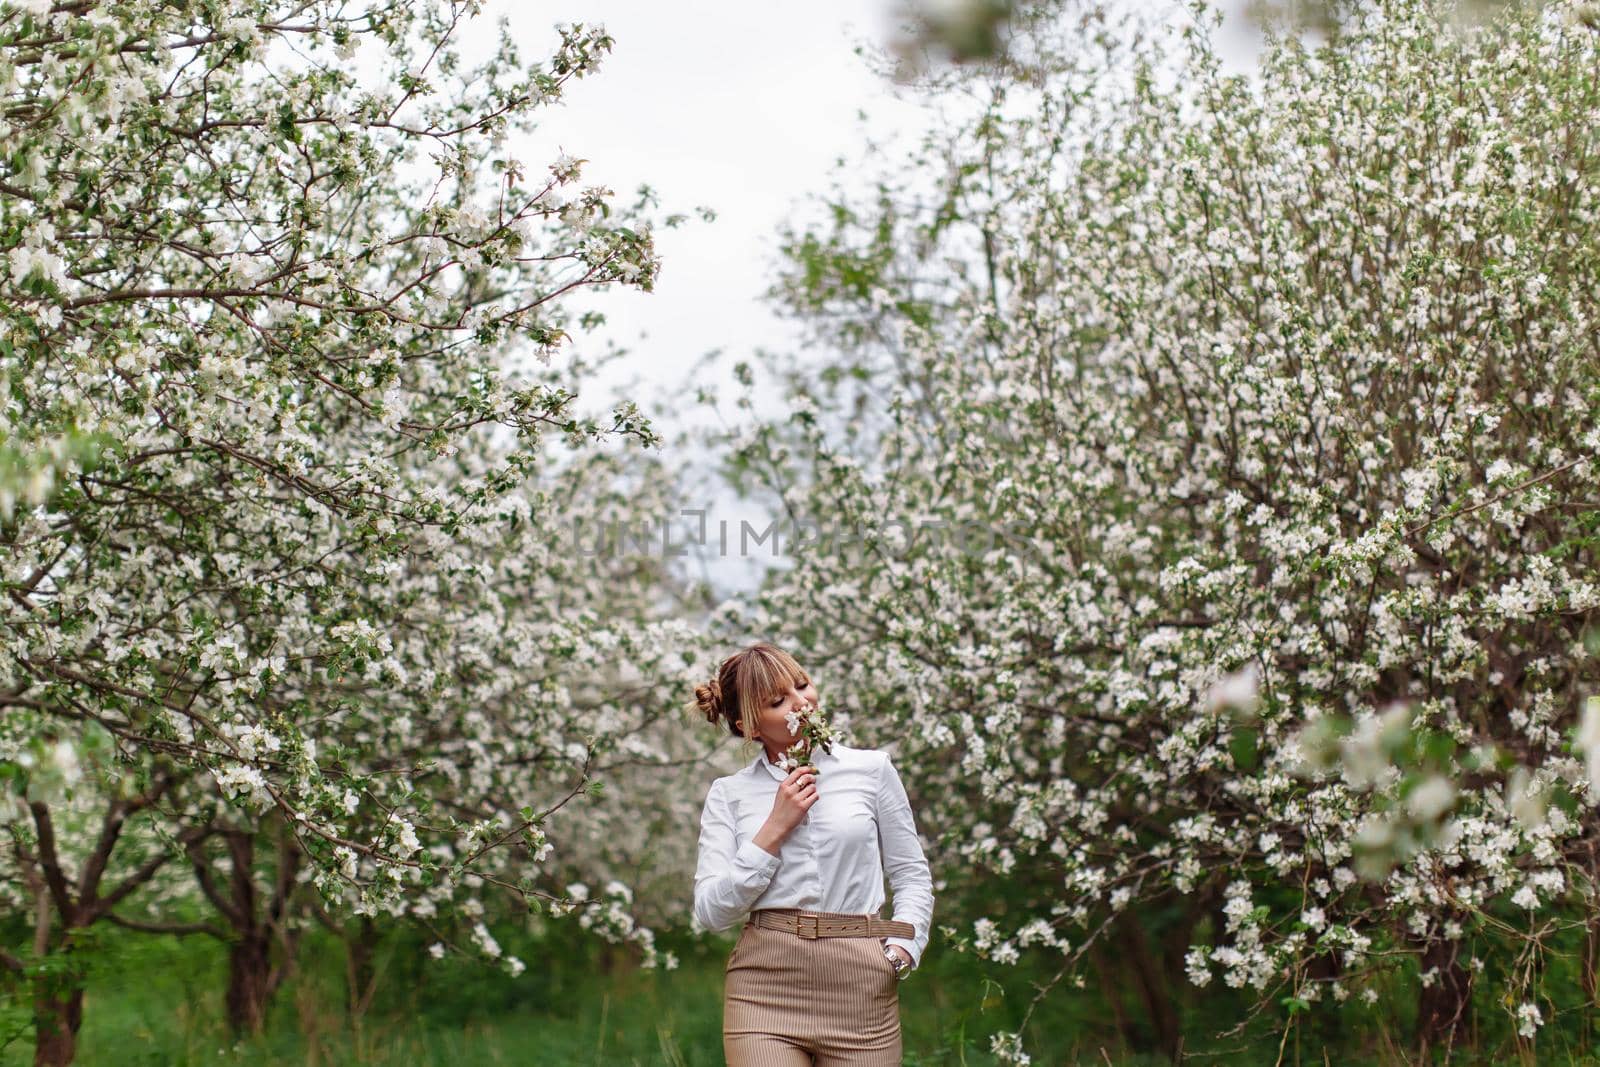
800, 925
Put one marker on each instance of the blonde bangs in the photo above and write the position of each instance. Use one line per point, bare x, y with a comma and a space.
765, 672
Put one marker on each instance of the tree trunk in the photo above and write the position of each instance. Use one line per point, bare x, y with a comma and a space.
252, 976
1110, 981
249, 983
361, 975
1442, 1006
56, 1019
62, 909
1152, 988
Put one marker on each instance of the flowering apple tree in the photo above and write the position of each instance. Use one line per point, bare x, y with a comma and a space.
1216, 533
272, 453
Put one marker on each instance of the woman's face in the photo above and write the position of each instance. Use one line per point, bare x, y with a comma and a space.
772, 718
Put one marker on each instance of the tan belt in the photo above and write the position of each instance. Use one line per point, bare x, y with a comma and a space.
814, 924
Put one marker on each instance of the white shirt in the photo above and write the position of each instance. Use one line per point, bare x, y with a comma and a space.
833, 860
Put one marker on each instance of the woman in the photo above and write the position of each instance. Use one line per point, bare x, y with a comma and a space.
801, 855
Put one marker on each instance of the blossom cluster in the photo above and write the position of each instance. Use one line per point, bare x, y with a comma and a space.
812, 732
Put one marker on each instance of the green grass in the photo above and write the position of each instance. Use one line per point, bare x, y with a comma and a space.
159, 1000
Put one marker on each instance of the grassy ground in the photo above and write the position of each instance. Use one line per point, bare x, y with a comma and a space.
157, 1000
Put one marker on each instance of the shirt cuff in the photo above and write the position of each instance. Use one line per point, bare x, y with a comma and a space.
909, 946
757, 858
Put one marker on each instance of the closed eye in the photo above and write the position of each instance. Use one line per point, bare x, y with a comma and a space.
804, 685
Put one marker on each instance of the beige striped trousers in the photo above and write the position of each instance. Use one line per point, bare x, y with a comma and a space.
791, 1001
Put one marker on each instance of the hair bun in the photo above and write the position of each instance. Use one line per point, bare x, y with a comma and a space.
709, 697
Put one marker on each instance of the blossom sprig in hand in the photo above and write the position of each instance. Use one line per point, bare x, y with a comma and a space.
812, 730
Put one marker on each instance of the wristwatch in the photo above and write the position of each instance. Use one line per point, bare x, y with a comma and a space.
902, 968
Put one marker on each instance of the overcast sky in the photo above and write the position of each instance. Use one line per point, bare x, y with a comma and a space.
739, 105
743, 106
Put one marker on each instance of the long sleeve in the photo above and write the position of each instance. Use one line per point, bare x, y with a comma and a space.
727, 878
904, 863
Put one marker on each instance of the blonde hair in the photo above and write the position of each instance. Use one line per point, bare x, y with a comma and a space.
745, 682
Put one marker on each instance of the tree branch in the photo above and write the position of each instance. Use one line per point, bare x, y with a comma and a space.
166, 928
143, 874
50, 862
